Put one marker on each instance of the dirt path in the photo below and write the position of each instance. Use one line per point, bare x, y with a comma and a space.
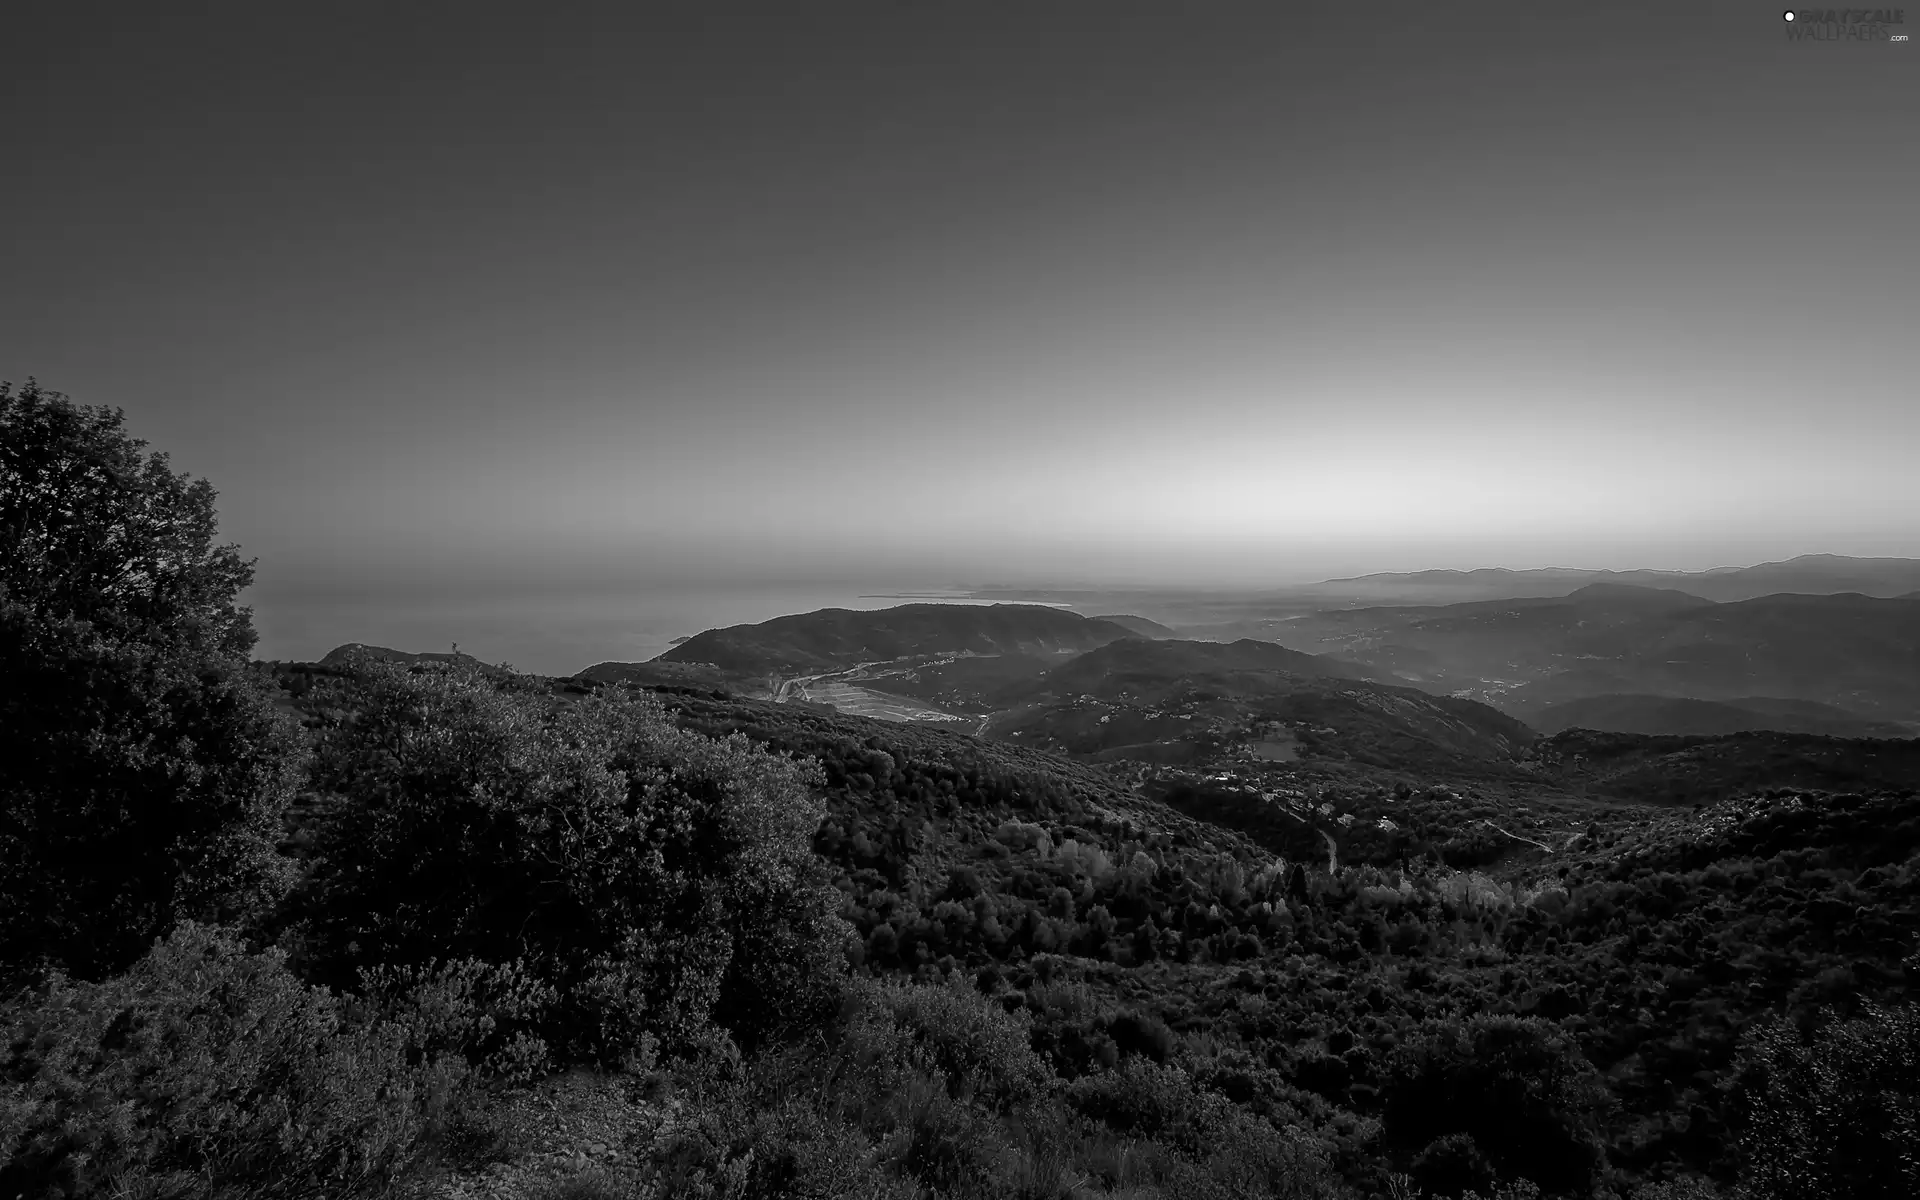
1516, 837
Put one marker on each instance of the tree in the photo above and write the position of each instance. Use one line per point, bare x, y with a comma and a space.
1506, 1094
1836, 1117
143, 769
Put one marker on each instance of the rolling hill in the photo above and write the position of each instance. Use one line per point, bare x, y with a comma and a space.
659, 674
1147, 668
836, 638
1705, 770
1140, 626
341, 656
1809, 574
1186, 702
1486, 583
1851, 651
1616, 713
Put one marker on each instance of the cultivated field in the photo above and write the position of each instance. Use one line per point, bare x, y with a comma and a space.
1276, 749
864, 702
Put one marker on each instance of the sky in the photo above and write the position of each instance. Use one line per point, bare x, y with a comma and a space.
550, 312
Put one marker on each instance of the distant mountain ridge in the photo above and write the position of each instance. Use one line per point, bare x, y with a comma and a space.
1816, 574
1608, 602
836, 638
1854, 652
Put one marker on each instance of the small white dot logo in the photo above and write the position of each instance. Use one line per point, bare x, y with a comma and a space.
1789, 14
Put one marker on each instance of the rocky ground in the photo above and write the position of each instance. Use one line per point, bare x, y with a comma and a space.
578, 1136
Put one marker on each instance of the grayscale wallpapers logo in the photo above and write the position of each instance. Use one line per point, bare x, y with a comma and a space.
1844, 24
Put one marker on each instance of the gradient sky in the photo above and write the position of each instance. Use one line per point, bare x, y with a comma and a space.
534, 310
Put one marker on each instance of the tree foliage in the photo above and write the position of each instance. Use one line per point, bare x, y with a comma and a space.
143, 769
1508, 1097
1836, 1116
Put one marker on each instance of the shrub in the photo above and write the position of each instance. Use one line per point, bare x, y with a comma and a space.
1142, 1033
1152, 1101
1453, 1165
211, 1072
941, 1141
1217, 1149
746, 1141
652, 878
482, 1013
979, 1049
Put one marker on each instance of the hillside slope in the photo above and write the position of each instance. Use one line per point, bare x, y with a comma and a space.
837, 638
1653, 942
1140, 626
340, 657
1814, 574
1616, 713
1180, 701
1854, 652
1216, 959
1120, 665
1694, 770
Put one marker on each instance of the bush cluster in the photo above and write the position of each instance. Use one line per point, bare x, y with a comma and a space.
639, 879
209, 1071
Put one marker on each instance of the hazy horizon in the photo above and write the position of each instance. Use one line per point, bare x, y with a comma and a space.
540, 317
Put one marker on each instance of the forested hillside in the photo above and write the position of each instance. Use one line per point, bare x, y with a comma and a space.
1181, 702
1683, 715
1639, 955
1689, 770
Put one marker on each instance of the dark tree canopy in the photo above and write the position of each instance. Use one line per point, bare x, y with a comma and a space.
143, 769
93, 530
1510, 1093
1834, 1118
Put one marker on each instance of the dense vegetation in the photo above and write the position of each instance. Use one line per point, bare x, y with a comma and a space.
311, 929
1686, 770
1652, 945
